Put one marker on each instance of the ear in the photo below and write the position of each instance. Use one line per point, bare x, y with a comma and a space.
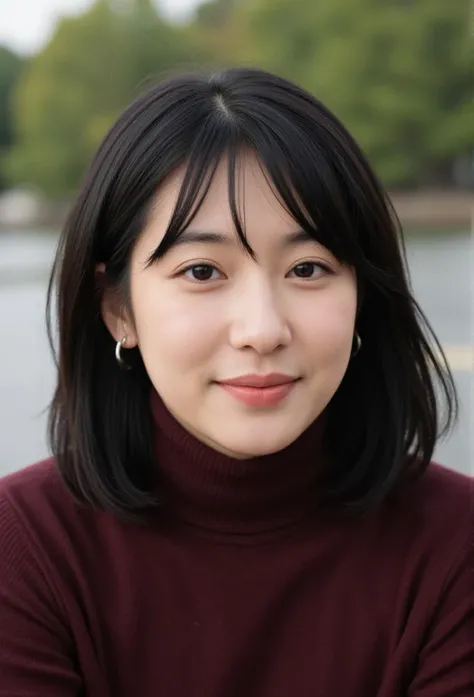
113, 313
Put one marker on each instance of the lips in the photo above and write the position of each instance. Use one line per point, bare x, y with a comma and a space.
260, 390
261, 381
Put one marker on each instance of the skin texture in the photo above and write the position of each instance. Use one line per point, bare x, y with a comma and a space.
244, 316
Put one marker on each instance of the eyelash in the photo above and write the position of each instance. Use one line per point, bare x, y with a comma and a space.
318, 264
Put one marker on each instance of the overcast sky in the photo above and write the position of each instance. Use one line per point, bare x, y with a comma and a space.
26, 25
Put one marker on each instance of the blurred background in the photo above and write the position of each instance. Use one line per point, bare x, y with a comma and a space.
397, 72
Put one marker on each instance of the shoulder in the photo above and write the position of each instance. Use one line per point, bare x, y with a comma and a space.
423, 530
437, 577
441, 496
39, 474
440, 479
35, 628
431, 522
26, 499
49, 542
37, 489
39, 517
32, 504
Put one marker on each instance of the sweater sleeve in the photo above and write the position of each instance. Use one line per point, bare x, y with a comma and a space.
446, 662
36, 649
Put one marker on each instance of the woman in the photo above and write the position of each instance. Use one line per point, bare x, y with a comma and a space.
241, 499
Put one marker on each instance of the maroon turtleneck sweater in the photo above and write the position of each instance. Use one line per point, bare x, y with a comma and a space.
238, 588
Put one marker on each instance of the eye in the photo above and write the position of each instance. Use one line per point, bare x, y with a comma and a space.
306, 270
199, 272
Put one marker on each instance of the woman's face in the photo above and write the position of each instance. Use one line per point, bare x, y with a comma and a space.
207, 312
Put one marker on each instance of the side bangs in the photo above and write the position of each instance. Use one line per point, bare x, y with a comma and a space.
300, 172
212, 142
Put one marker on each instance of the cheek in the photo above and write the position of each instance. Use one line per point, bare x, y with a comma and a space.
330, 324
170, 328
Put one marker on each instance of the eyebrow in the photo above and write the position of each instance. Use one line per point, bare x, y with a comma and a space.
293, 239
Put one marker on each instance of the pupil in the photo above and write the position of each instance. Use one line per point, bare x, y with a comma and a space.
202, 272
305, 270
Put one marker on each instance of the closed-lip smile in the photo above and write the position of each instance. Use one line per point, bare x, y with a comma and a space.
260, 391
259, 381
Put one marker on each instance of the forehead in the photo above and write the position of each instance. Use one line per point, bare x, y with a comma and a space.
257, 203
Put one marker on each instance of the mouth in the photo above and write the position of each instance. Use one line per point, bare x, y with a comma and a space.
254, 380
260, 395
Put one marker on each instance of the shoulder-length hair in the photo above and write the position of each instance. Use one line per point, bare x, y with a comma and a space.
397, 396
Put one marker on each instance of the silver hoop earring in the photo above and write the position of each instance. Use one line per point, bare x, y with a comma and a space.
358, 344
118, 353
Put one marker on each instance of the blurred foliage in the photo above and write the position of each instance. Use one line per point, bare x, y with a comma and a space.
215, 13
398, 73
93, 66
10, 69
212, 32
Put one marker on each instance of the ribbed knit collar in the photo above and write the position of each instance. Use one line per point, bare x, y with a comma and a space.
215, 492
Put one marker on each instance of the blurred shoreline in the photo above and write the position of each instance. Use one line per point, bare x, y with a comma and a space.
439, 264
428, 208
435, 209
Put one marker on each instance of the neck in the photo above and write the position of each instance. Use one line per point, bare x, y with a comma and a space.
210, 490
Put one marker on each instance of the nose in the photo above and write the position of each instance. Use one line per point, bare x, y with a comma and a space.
258, 320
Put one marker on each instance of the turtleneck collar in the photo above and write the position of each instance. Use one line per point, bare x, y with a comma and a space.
215, 492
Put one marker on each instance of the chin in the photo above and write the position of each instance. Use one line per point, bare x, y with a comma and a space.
243, 448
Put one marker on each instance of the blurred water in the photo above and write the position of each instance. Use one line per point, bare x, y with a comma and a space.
440, 267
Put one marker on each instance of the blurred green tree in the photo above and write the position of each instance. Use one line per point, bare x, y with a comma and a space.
74, 88
11, 66
215, 13
397, 72
213, 30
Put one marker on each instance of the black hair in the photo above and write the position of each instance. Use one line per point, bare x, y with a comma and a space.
397, 396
